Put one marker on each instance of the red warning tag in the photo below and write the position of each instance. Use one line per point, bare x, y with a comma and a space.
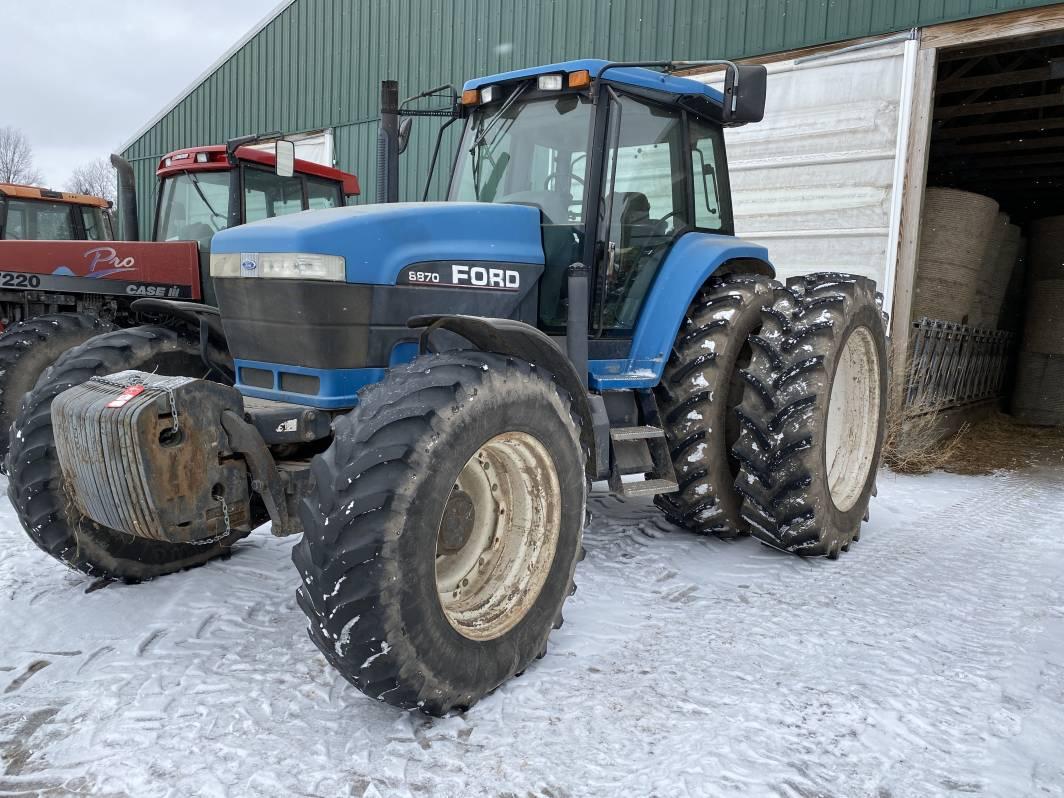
126, 395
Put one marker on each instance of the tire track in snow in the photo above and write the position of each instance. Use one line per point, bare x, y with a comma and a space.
916, 665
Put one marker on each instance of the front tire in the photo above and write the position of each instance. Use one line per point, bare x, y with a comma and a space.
440, 543
30, 347
813, 415
35, 485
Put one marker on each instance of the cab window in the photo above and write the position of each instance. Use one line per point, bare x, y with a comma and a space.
95, 222
266, 195
708, 173
323, 194
644, 204
38, 220
193, 206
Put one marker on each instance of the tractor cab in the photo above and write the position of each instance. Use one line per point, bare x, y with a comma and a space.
28, 213
620, 161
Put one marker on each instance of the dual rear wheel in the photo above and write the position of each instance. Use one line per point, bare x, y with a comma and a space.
774, 406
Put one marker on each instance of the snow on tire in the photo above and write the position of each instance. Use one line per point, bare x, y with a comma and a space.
812, 415
441, 537
700, 389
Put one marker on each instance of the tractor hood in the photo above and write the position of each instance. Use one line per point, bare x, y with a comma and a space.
378, 241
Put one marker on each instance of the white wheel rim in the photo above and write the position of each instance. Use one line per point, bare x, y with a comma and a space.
853, 419
490, 568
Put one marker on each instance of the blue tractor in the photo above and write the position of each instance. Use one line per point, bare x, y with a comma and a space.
426, 391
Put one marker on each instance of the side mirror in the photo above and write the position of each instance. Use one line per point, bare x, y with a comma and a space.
744, 93
404, 133
285, 158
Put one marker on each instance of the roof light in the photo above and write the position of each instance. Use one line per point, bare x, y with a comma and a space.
167, 161
490, 94
549, 82
470, 97
579, 79
202, 157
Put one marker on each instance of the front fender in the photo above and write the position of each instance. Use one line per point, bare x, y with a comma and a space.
691, 261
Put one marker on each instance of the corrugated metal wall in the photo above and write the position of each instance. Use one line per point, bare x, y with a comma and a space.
320, 62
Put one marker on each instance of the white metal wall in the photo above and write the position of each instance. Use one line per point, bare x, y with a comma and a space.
819, 180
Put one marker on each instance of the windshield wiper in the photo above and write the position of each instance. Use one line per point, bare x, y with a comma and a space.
202, 196
498, 115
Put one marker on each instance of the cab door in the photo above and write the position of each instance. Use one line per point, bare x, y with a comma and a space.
644, 206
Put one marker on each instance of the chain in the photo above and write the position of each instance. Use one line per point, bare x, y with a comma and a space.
177, 426
118, 383
225, 519
140, 381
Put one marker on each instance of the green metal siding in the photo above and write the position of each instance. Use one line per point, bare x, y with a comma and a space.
319, 63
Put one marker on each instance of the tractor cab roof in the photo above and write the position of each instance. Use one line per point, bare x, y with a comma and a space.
35, 193
635, 77
211, 158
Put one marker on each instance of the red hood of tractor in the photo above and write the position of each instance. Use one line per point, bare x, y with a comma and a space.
129, 268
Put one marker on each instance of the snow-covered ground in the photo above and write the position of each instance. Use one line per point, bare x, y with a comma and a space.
927, 661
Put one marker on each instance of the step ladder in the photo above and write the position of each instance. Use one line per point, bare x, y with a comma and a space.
642, 450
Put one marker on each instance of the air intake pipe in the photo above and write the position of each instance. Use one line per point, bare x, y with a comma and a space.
127, 199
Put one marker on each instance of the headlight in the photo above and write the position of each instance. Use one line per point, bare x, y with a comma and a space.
279, 265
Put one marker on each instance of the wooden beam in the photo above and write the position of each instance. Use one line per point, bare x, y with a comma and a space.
995, 80
1047, 143
912, 205
1005, 161
999, 106
993, 128
1025, 22
999, 174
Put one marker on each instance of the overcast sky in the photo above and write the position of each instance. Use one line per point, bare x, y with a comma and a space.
81, 77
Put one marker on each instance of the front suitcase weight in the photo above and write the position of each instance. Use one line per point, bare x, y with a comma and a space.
129, 463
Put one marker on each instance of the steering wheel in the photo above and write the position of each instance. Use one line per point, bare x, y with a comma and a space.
549, 180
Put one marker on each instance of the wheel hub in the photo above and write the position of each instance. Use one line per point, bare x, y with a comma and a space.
458, 518
497, 536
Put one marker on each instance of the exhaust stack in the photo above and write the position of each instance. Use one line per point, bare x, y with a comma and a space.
127, 199
388, 144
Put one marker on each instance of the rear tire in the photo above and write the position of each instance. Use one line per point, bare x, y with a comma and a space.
403, 495
812, 416
699, 391
30, 347
35, 485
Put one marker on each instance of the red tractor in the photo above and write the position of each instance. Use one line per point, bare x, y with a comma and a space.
56, 294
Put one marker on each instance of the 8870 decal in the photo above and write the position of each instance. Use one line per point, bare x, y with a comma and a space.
19, 280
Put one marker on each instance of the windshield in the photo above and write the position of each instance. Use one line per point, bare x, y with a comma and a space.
193, 206
532, 153
28, 219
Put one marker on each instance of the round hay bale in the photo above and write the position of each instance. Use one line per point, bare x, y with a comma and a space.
1000, 276
1046, 248
1043, 331
986, 306
954, 236
1038, 397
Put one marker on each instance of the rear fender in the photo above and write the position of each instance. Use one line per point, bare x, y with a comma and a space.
693, 259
